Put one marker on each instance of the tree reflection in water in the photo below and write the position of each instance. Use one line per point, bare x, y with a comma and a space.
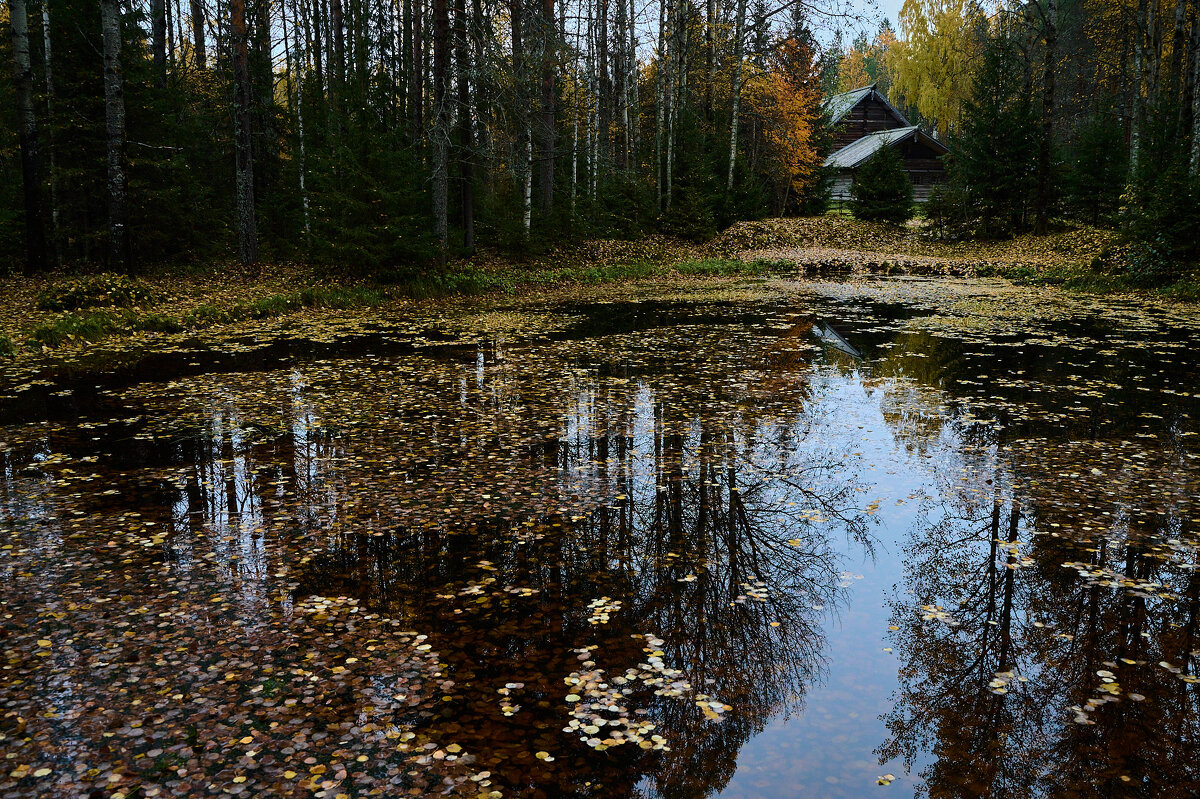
1057, 636
710, 528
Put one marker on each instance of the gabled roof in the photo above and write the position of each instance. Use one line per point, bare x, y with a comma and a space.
855, 153
839, 105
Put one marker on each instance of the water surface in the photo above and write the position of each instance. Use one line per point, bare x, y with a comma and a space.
768, 540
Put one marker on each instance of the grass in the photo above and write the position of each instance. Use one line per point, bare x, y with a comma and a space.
1079, 277
102, 323
86, 323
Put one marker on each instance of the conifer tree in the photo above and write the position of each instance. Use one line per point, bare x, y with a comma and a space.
882, 190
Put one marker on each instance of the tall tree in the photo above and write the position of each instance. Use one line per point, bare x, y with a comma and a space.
466, 140
158, 40
441, 125
244, 158
524, 159
31, 168
198, 39
549, 48
739, 43
119, 249
1049, 19
47, 51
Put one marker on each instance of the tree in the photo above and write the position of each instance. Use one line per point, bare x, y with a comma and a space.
441, 125
933, 63
31, 168
119, 255
786, 98
882, 190
462, 58
992, 166
247, 226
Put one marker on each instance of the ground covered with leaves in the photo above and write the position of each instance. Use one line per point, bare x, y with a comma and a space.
44, 314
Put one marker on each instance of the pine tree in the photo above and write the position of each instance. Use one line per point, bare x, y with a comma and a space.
882, 190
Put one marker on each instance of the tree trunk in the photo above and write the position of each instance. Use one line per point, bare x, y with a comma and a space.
480, 31
1194, 82
198, 44
524, 144
546, 172
441, 126
605, 98
31, 167
158, 40
1042, 223
635, 122
295, 74
55, 235
339, 49
317, 48
710, 54
1139, 97
466, 133
739, 35
247, 231
417, 80
114, 131
170, 33
1178, 49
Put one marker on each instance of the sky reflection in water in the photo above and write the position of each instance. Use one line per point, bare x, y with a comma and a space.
634, 547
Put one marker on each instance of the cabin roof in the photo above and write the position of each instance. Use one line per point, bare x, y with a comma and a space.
855, 153
837, 106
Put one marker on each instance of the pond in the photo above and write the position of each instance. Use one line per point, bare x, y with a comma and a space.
775, 539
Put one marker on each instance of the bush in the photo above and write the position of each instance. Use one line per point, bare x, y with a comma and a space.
103, 290
882, 190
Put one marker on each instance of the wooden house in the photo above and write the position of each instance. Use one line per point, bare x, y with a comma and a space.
863, 121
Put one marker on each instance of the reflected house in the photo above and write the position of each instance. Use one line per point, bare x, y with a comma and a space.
864, 122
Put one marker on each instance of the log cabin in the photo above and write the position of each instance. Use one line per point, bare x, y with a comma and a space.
863, 121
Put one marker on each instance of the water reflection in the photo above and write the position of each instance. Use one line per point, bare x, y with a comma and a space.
442, 571
1047, 623
621, 558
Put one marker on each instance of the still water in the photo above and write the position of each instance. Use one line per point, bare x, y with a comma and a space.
743, 540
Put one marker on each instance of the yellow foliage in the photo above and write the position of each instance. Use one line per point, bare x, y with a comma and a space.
787, 99
852, 71
933, 63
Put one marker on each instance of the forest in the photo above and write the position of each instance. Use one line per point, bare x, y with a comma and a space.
403, 135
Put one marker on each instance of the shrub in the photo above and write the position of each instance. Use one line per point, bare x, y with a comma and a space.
103, 290
882, 190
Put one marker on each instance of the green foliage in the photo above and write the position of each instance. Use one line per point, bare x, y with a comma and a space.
1097, 162
102, 290
7, 348
1159, 215
369, 206
991, 166
71, 327
882, 190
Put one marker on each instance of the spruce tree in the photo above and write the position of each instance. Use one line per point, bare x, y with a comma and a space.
993, 160
882, 190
